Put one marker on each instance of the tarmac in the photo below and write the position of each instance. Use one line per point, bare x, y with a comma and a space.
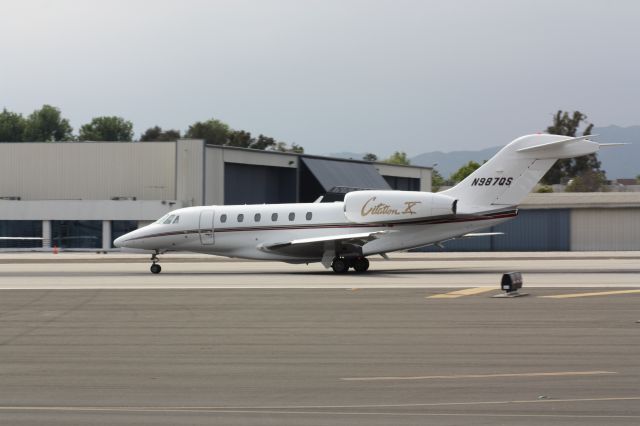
89, 339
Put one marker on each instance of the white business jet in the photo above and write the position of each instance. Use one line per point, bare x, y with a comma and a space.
342, 234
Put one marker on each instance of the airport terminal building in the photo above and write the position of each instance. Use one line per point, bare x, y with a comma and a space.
83, 195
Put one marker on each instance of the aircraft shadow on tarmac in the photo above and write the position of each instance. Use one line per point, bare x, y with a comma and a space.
389, 272
371, 273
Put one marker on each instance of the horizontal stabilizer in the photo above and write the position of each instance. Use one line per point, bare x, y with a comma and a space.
605, 145
554, 144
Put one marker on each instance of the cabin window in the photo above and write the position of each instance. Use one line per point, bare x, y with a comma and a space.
223, 218
176, 220
240, 217
292, 216
169, 219
274, 217
256, 218
309, 215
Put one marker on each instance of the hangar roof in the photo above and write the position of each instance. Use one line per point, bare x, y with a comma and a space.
333, 174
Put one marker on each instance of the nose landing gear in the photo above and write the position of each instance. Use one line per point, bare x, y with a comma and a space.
155, 268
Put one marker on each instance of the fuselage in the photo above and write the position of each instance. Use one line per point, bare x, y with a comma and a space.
245, 231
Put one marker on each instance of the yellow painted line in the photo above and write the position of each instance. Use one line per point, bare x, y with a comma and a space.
460, 293
483, 376
599, 293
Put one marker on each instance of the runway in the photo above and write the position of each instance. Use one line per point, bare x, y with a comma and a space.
404, 270
389, 350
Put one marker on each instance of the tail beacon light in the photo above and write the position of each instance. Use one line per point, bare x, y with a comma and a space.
396, 206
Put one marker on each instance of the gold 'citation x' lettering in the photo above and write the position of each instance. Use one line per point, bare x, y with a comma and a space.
378, 209
369, 208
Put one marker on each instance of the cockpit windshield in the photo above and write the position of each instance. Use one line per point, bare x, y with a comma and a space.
162, 219
168, 219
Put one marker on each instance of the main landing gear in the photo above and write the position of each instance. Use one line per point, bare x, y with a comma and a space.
341, 265
155, 268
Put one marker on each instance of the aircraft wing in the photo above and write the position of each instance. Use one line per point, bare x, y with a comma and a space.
469, 235
480, 234
20, 238
362, 238
321, 247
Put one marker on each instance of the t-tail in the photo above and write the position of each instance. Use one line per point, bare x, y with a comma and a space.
507, 178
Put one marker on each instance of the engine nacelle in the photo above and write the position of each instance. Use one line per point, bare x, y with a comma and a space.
396, 206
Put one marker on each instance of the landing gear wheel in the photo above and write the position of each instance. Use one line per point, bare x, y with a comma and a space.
339, 265
361, 264
155, 268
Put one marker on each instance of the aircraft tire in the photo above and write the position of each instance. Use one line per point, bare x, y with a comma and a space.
339, 266
361, 264
155, 268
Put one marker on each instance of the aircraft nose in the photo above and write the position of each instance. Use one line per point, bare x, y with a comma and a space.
120, 241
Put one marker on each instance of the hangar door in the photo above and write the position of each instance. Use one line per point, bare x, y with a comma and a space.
252, 184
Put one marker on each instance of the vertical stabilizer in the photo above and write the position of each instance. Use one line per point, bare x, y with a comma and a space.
507, 178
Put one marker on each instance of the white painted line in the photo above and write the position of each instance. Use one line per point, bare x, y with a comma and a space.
323, 410
482, 376
305, 407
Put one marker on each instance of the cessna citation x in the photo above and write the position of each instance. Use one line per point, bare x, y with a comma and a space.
342, 234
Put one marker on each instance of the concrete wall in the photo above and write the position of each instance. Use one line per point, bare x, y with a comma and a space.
214, 176
605, 229
88, 170
189, 164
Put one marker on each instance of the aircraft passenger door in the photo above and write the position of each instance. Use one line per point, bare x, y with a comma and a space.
206, 227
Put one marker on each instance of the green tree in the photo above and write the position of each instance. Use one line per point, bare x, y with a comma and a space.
12, 126
283, 147
587, 181
239, 138
567, 125
46, 125
544, 189
398, 157
437, 181
369, 156
214, 132
263, 142
107, 129
156, 134
464, 171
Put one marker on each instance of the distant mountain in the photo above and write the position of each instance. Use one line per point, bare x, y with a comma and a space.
618, 162
449, 162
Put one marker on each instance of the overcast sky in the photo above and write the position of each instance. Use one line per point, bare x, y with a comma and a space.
330, 75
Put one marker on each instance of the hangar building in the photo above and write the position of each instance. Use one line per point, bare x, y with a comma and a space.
86, 194
83, 195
